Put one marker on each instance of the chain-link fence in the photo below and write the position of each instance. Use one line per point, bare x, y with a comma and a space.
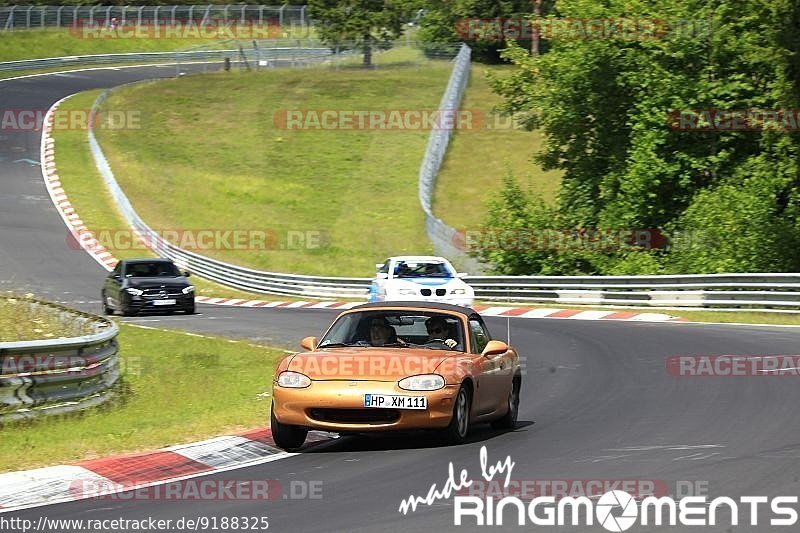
442, 235
292, 18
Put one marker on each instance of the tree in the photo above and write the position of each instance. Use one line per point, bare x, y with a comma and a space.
604, 105
485, 25
362, 24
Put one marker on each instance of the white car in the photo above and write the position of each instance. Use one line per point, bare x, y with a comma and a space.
420, 278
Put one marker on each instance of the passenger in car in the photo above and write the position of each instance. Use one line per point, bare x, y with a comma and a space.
381, 333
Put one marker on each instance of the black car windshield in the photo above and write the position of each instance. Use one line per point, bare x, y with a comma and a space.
155, 269
408, 269
396, 329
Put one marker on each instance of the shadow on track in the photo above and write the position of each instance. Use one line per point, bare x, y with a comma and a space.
407, 440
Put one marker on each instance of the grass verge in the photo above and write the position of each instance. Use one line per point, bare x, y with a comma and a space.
92, 201
231, 163
159, 402
22, 320
479, 156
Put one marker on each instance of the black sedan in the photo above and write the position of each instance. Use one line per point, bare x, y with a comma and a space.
137, 285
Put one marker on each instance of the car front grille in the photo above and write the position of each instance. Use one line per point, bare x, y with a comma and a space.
172, 292
355, 416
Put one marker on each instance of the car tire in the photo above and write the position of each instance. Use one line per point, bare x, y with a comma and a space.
190, 310
458, 429
509, 420
127, 311
104, 302
285, 436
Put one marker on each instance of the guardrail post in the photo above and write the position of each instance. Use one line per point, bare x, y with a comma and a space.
173, 15
28, 17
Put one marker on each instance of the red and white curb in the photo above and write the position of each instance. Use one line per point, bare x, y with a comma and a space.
78, 230
515, 312
92, 246
101, 477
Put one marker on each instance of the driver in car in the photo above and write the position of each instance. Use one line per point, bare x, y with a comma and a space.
438, 330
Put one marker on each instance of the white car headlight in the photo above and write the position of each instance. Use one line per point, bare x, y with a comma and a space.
458, 291
422, 382
134, 292
293, 380
188, 290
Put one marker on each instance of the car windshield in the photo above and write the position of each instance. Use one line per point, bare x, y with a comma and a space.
396, 329
424, 269
155, 269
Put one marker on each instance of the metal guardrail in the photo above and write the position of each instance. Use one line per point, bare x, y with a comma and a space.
30, 17
55, 376
718, 291
290, 54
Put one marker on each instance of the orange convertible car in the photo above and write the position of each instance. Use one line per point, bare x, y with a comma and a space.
397, 366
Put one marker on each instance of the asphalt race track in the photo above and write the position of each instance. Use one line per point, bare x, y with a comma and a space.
597, 403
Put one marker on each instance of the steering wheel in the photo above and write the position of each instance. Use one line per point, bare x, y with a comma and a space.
436, 341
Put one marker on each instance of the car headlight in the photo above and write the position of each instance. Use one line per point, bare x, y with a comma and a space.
134, 292
406, 291
422, 382
458, 291
188, 290
293, 380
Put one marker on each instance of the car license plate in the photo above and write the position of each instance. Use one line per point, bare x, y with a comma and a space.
390, 401
164, 302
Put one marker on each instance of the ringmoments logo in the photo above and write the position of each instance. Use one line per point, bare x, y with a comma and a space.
615, 510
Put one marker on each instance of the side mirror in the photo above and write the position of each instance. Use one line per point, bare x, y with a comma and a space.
495, 348
378, 265
116, 277
186, 273
383, 275
309, 343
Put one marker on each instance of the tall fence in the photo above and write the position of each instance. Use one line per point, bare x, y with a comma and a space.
34, 17
55, 376
441, 235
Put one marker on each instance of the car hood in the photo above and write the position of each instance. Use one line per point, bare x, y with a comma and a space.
431, 282
148, 283
374, 364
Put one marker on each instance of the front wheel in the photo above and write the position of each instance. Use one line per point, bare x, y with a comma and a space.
456, 432
285, 436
